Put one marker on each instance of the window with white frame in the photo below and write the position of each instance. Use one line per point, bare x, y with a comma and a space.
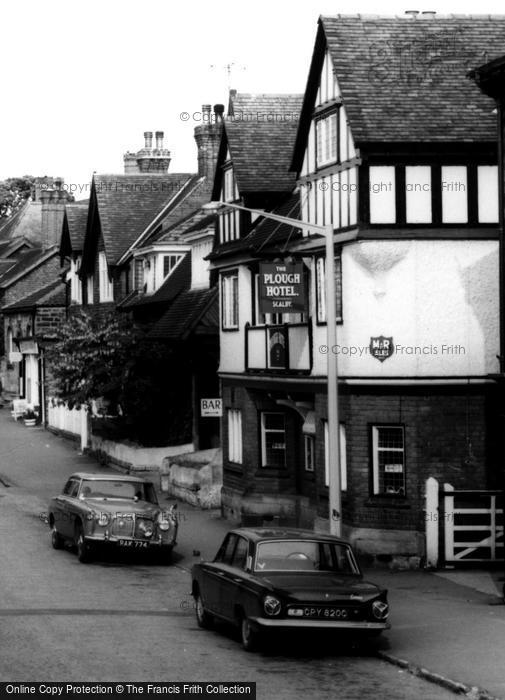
235, 435
343, 456
309, 449
229, 300
75, 282
273, 440
326, 140
230, 192
388, 458
169, 262
321, 289
105, 286
90, 281
10, 341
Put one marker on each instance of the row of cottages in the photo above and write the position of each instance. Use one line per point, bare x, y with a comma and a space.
396, 149
138, 248
32, 295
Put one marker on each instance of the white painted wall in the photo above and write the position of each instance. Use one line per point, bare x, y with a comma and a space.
426, 294
232, 342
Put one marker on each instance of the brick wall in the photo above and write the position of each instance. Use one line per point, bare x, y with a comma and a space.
450, 434
48, 319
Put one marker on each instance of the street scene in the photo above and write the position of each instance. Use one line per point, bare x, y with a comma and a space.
252, 351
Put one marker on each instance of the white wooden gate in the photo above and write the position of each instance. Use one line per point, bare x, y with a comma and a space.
462, 525
473, 525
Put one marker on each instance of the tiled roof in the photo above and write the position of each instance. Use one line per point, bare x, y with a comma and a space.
127, 204
197, 196
77, 216
179, 279
27, 222
12, 245
186, 312
197, 221
405, 79
264, 107
51, 295
268, 235
261, 153
26, 259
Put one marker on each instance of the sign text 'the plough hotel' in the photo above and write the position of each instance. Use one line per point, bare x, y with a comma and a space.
281, 288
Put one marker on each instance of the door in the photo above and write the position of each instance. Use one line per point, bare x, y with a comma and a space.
213, 576
231, 591
66, 506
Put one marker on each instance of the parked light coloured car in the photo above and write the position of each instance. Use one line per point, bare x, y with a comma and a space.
121, 511
265, 579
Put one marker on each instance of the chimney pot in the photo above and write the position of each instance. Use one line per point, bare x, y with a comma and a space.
412, 13
148, 136
428, 14
159, 140
219, 111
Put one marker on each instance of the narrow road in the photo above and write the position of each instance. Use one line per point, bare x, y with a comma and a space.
131, 619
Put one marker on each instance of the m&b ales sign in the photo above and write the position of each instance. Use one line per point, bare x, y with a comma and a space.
281, 288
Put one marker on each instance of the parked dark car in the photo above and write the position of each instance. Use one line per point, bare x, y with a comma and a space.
265, 579
121, 511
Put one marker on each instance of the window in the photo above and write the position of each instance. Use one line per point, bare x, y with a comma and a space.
487, 178
71, 488
388, 459
235, 435
454, 194
169, 262
229, 304
310, 448
418, 194
106, 292
343, 457
89, 288
326, 140
229, 186
240, 554
321, 289
273, 440
382, 194
225, 554
10, 344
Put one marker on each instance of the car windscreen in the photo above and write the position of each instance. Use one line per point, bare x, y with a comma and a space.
101, 488
305, 555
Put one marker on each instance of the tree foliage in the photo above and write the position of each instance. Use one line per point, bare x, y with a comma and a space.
14, 191
107, 359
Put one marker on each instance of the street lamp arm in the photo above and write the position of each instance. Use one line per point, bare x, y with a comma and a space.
303, 225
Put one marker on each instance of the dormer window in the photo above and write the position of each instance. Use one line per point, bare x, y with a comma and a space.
106, 289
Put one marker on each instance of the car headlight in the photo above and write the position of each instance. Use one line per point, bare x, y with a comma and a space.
164, 522
271, 605
380, 609
103, 519
146, 529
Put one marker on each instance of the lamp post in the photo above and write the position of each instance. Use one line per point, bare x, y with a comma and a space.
335, 491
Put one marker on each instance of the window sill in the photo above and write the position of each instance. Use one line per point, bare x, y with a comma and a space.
385, 501
234, 467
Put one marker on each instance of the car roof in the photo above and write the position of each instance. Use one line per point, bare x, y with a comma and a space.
107, 477
259, 534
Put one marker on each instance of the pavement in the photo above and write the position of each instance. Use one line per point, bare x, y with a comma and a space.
447, 626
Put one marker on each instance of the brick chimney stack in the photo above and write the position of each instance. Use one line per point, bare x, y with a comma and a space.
53, 200
207, 137
148, 159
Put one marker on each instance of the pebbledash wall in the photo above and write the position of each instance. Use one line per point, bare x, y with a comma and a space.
438, 302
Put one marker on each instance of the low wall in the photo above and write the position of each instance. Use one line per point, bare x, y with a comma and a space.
135, 458
196, 477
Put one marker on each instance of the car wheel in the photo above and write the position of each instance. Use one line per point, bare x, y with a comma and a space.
56, 538
83, 550
203, 619
249, 635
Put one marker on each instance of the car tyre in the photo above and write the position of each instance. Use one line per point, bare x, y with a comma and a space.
56, 539
203, 618
83, 550
249, 635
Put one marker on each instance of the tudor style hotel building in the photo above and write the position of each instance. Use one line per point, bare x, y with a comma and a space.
396, 148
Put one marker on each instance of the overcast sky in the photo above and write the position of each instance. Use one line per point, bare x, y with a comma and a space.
82, 81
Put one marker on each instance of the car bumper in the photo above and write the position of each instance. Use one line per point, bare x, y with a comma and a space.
321, 624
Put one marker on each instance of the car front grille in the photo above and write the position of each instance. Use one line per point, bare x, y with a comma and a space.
141, 525
123, 526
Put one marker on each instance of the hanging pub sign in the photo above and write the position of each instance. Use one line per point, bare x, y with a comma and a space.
281, 288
